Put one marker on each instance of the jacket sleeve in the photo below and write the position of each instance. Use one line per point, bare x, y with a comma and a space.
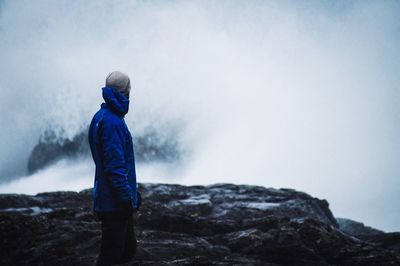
115, 167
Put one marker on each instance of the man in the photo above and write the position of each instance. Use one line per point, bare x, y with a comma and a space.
115, 190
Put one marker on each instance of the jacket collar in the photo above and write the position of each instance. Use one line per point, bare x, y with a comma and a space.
117, 102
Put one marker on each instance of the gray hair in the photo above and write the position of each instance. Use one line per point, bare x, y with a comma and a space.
120, 81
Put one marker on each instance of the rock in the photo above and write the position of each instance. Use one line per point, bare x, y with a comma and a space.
356, 228
50, 149
221, 224
149, 146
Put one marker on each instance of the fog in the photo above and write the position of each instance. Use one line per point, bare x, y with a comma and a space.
295, 94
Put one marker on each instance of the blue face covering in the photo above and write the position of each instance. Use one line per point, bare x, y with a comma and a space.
116, 101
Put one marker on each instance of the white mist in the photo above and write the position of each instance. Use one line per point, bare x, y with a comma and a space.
281, 94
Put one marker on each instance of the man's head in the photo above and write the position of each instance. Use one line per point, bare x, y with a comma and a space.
120, 81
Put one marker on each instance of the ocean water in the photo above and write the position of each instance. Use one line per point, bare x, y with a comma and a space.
295, 94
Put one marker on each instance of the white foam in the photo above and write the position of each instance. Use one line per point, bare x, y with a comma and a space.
30, 210
261, 205
64, 175
197, 200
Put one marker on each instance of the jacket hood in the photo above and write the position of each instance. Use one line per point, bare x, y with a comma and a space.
117, 102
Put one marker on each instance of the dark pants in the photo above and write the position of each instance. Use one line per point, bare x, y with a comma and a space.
118, 240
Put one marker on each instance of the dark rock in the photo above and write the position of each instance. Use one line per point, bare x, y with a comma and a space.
149, 146
50, 149
356, 228
369, 234
220, 224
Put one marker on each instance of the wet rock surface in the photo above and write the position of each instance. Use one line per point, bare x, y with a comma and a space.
220, 224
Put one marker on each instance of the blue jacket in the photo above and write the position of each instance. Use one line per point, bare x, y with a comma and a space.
112, 151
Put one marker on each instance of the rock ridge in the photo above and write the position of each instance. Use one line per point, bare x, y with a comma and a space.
220, 224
